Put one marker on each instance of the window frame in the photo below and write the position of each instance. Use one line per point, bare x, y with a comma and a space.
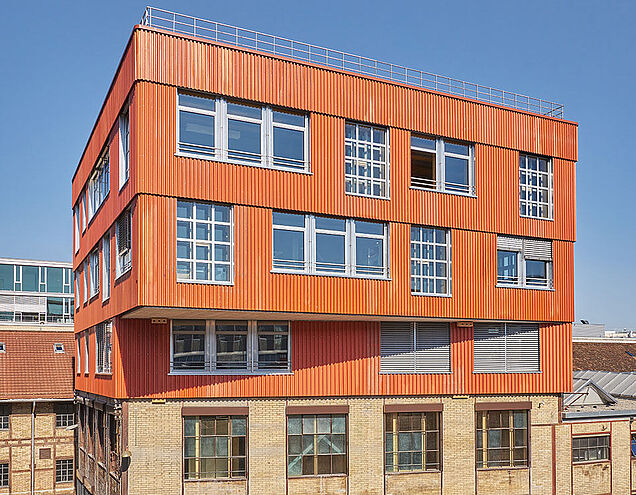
252, 350
64, 473
94, 273
103, 348
124, 146
122, 267
607, 447
98, 184
484, 431
5, 417
85, 273
521, 261
309, 264
440, 155
86, 353
5, 472
355, 143
395, 418
220, 151
106, 262
78, 352
537, 188
506, 335
421, 261
76, 228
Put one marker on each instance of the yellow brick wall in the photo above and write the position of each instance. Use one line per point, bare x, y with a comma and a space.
414, 483
563, 441
503, 481
592, 478
458, 449
621, 457
319, 485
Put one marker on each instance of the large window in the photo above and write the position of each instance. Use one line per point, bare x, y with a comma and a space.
106, 266
86, 281
94, 273
442, 165
535, 186
316, 444
430, 261
366, 160
243, 133
5, 412
506, 348
86, 352
123, 243
230, 346
214, 447
412, 441
4, 474
524, 262
76, 227
422, 347
124, 147
98, 185
103, 344
329, 246
592, 448
64, 415
502, 439
64, 470
204, 242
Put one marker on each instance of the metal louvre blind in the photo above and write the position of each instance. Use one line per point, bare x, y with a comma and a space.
536, 249
432, 348
123, 232
505, 243
522, 347
490, 347
397, 347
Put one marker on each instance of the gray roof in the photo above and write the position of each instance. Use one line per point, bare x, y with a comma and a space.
616, 384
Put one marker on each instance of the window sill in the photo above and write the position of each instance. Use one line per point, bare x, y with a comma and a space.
215, 480
598, 461
103, 374
90, 220
549, 219
423, 294
500, 372
230, 373
303, 476
123, 184
204, 282
526, 287
415, 471
389, 373
306, 171
368, 196
329, 274
441, 191
503, 468
120, 275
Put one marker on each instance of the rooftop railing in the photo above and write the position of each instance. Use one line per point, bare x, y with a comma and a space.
275, 45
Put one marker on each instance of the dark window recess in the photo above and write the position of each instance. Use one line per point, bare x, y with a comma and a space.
423, 169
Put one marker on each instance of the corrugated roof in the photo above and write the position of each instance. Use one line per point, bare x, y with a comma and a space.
605, 356
29, 367
614, 383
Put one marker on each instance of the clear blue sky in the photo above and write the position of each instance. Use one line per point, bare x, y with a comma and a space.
58, 59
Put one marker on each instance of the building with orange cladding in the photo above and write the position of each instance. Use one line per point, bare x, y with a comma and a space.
303, 271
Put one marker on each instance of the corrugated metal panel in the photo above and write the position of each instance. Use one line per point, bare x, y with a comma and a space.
328, 359
432, 347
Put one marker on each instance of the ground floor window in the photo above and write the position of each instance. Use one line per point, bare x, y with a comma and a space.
63, 470
596, 448
4, 474
502, 439
214, 447
411, 441
316, 444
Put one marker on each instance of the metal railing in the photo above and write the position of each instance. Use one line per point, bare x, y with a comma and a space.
246, 38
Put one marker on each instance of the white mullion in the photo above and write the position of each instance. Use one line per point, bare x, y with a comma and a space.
222, 127
440, 164
521, 267
350, 245
210, 346
385, 251
414, 331
310, 244
266, 135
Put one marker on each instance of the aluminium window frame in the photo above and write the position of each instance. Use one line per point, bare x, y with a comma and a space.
98, 184
119, 270
210, 366
351, 235
220, 152
440, 165
123, 133
94, 274
103, 347
594, 435
86, 352
85, 272
387, 163
76, 227
421, 260
522, 282
78, 352
106, 268
550, 188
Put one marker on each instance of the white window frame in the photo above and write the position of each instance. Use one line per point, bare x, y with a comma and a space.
103, 348
440, 154
529, 203
106, 260
83, 207
522, 279
76, 227
220, 151
86, 283
94, 273
78, 364
309, 265
355, 178
212, 244
77, 291
58, 348
124, 146
86, 352
98, 186
123, 265
252, 351
421, 260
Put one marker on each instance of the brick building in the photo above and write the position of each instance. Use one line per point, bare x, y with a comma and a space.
299, 271
36, 377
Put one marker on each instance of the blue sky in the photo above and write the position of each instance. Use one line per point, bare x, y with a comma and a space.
58, 59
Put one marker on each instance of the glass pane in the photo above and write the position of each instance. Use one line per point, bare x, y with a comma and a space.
243, 110
324, 444
207, 447
294, 466
6, 277
324, 464
338, 463
456, 171
244, 137
369, 228
54, 279
536, 269
30, 278
289, 143
507, 266
327, 223
309, 424
184, 210
196, 102
288, 219
188, 350
189, 426
231, 351
288, 118
458, 148
330, 252
294, 444
197, 129
308, 444
338, 424
422, 142
222, 213
190, 447
239, 426
294, 425
369, 252
289, 245
323, 424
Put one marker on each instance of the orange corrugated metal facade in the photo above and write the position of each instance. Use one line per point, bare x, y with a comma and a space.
335, 357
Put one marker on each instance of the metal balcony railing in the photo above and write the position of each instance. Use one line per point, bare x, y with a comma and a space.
246, 38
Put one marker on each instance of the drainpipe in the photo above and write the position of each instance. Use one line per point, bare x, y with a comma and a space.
33, 449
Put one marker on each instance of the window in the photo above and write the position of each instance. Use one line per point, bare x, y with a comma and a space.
366, 160
64, 415
442, 165
502, 439
83, 208
76, 227
230, 346
4, 474
58, 348
94, 273
535, 187
7, 277
103, 339
243, 133
98, 185
412, 441
329, 246
633, 444
524, 262
430, 261
3, 347
106, 267
63, 470
214, 447
204, 242
124, 147
316, 444
77, 291
123, 243
422, 347
586, 449
86, 283
506, 348
78, 357
5, 412
86, 352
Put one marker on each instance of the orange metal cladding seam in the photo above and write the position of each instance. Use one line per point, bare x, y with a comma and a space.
326, 357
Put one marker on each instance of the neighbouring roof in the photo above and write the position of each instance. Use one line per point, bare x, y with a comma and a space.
31, 369
613, 383
605, 356
601, 394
